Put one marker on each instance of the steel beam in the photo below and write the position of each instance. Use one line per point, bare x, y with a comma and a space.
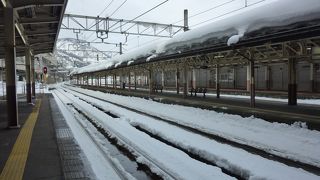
105, 25
39, 20
10, 61
17, 5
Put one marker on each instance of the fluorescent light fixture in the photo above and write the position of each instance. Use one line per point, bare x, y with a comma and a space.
218, 56
4, 3
20, 33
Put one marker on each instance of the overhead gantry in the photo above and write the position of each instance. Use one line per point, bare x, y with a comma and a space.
27, 28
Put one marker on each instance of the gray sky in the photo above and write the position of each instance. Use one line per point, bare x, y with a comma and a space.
170, 12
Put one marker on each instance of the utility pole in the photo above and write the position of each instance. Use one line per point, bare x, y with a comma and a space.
120, 48
185, 25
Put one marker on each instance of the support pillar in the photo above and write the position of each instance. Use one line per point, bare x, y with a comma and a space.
114, 81
129, 83
99, 80
267, 77
234, 77
218, 81
312, 82
248, 77
150, 82
33, 75
252, 85
28, 79
91, 79
292, 84
177, 81
105, 80
87, 79
194, 78
135, 80
162, 78
10, 62
185, 80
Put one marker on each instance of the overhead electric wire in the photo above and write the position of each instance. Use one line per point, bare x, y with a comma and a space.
118, 8
227, 13
202, 12
106, 7
111, 13
100, 15
215, 7
145, 13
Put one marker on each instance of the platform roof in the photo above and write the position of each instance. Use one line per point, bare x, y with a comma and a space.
270, 22
37, 24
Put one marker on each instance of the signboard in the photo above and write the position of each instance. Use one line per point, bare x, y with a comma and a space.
45, 70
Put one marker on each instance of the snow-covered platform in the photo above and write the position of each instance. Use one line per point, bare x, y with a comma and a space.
271, 109
43, 147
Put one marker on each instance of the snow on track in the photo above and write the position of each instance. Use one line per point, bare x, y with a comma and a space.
100, 166
172, 160
238, 161
287, 141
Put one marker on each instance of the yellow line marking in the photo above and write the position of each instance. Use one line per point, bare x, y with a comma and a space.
14, 167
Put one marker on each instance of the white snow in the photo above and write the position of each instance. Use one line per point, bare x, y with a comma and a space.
280, 139
172, 160
241, 162
100, 166
300, 101
270, 13
234, 39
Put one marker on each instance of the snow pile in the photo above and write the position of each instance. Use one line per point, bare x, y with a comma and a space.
233, 27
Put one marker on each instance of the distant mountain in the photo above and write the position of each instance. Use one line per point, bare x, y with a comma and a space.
77, 53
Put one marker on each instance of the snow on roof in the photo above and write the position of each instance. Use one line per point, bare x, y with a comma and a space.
270, 13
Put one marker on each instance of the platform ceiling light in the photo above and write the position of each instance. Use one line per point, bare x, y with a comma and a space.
20, 33
4, 3
218, 56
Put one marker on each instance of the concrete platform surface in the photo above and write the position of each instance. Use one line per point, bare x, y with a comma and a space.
36, 150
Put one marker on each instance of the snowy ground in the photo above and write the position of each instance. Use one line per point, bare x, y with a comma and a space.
300, 101
21, 88
241, 162
289, 141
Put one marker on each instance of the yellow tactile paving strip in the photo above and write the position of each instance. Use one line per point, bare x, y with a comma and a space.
15, 165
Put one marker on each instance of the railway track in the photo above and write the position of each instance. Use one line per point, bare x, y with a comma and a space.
119, 171
253, 150
122, 141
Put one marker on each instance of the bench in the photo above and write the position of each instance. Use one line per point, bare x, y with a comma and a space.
198, 90
155, 88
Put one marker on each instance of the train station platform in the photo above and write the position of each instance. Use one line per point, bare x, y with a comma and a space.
273, 111
43, 147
